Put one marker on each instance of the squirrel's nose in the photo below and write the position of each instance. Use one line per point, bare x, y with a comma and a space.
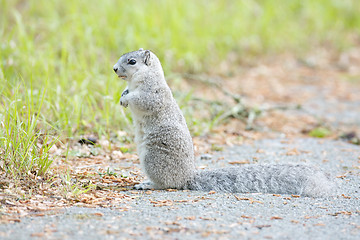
115, 69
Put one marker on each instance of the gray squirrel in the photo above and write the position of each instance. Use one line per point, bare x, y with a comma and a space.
165, 146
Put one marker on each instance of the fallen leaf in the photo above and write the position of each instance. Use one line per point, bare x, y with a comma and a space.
13, 220
345, 212
162, 203
207, 218
39, 214
262, 226
347, 197
240, 162
293, 152
39, 234
172, 223
98, 214
342, 176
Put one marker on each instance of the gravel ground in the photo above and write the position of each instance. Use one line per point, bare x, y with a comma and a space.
196, 215
333, 110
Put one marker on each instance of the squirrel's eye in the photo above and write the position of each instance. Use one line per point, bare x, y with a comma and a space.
131, 61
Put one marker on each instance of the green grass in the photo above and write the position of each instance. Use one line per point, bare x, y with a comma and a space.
24, 145
320, 132
66, 50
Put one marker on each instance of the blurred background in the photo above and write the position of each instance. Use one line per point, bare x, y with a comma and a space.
56, 58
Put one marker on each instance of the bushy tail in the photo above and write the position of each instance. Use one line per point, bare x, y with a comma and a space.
299, 179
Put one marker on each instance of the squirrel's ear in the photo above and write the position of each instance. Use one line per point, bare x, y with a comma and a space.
141, 49
147, 57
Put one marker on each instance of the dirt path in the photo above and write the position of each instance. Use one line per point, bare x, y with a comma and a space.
194, 215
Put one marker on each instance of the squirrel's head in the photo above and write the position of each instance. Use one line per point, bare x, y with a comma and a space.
134, 62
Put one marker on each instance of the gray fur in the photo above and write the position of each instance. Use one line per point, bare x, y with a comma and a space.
297, 179
165, 147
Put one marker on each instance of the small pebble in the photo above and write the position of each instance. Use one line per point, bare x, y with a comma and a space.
206, 157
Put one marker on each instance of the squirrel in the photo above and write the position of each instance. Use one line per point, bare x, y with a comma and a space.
166, 151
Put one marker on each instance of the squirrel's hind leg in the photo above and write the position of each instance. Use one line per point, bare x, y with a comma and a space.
146, 186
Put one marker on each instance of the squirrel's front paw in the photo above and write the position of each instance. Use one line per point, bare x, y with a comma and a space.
123, 101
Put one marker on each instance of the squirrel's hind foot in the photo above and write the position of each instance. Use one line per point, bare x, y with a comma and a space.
145, 186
